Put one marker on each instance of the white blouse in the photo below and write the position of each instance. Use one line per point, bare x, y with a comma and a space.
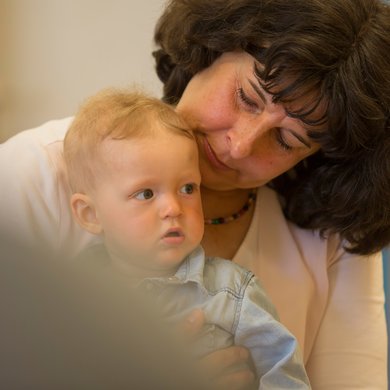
332, 301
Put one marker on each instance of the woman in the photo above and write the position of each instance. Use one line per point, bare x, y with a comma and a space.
291, 98
275, 84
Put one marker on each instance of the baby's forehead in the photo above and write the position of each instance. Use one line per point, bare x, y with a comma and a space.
165, 149
150, 138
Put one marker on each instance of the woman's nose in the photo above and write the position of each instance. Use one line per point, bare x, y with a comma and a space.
242, 141
170, 207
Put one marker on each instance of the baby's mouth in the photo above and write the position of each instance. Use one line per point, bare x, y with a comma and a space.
173, 232
174, 236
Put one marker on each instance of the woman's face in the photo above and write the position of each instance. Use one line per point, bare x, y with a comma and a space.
244, 139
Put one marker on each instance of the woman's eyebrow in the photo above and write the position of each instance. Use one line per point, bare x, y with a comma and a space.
257, 90
262, 97
300, 138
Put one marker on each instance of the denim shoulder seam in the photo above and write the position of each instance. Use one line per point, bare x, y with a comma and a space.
248, 276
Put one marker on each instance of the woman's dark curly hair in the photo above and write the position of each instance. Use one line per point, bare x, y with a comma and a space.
335, 50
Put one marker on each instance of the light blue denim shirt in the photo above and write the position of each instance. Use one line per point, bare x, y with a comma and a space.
237, 311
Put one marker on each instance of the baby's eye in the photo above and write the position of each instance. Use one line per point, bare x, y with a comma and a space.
144, 194
188, 188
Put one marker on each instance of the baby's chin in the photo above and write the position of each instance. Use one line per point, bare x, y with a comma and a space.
163, 261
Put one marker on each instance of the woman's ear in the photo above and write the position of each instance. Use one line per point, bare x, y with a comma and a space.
84, 212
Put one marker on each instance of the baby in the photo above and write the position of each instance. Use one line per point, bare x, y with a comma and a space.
133, 168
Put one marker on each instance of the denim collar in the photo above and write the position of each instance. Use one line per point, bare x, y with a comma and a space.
191, 269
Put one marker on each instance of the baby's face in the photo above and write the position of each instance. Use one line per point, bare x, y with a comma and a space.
148, 202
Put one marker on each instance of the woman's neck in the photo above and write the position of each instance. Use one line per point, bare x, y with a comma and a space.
224, 240
222, 203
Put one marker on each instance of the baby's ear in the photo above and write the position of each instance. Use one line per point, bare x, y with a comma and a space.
84, 212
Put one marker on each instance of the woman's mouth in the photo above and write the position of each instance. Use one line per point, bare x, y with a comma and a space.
212, 157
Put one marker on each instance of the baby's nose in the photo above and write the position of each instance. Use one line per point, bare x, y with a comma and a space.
170, 207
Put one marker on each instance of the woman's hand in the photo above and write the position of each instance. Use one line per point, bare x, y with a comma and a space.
217, 366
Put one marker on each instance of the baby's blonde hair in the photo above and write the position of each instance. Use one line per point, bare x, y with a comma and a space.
113, 114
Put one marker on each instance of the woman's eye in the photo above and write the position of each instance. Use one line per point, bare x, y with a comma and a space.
281, 141
246, 100
144, 194
188, 188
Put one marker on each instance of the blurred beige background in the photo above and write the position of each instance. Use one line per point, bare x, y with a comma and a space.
54, 53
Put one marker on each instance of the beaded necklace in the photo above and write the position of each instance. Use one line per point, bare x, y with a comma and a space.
236, 215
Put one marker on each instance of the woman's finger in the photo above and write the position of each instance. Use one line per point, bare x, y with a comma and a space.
228, 368
222, 360
238, 380
192, 324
